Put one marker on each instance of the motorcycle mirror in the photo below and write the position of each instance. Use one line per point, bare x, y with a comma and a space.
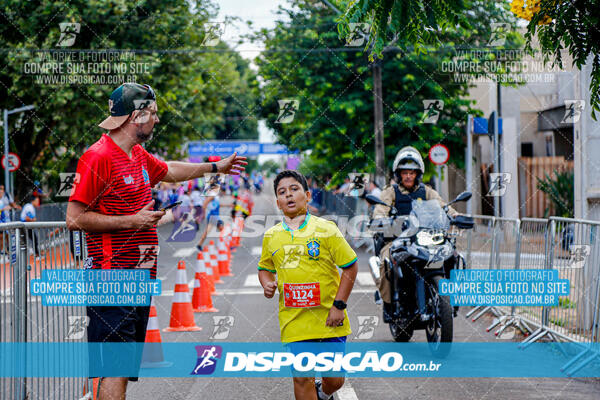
464, 196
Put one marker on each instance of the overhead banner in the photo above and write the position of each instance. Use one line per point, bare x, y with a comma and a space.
224, 148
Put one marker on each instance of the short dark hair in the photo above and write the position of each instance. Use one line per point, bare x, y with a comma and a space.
288, 173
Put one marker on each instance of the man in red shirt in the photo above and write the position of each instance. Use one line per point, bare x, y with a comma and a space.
112, 202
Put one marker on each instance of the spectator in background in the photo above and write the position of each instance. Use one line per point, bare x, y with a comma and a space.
28, 214
344, 188
197, 200
374, 190
186, 202
316, 203
6, 204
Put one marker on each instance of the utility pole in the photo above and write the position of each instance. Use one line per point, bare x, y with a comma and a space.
378, 123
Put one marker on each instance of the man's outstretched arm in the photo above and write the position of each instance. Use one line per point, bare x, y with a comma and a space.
183, 171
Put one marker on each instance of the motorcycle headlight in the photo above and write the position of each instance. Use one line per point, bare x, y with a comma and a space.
425, 238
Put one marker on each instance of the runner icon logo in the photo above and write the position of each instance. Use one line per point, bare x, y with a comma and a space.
68, 180
68, 34
222, 326
207, 359
287, 111
498, 34
366, 326
77, 325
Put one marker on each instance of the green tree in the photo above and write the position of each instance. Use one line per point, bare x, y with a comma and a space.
418, 23
561, 190
406, 22
192, 81
575, 27
306, 60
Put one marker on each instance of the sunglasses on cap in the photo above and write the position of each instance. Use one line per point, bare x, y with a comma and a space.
150, 95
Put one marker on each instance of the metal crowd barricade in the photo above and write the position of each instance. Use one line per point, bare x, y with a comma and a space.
32, 248
576, 256
504, 255
480, 243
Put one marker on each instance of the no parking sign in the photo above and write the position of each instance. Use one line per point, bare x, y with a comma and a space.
439, 154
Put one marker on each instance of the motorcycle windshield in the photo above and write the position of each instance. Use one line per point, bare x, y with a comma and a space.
430, 215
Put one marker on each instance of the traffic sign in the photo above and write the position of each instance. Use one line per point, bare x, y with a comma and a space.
13, 160
439, 154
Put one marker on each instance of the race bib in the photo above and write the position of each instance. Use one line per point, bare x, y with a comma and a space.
302, 294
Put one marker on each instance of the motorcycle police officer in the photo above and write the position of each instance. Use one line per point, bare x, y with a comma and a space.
408, 170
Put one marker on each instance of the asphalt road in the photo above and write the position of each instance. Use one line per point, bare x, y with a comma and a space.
255, 319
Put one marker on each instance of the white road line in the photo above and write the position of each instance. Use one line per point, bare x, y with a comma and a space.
256, 251
346, 392
252, 280
183, 253
365, 279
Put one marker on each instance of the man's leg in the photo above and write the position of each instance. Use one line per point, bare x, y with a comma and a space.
113, 388
304, 388
384, 284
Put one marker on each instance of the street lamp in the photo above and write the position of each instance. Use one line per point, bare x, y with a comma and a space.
7, 185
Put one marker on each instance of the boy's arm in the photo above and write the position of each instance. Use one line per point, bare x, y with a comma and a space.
268, 282
336, 316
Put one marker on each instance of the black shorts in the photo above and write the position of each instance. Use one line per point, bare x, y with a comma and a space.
117, 325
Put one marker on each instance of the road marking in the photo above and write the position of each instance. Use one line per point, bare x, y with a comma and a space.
252, 280
346, 392
183, 253
256, 251
365, 279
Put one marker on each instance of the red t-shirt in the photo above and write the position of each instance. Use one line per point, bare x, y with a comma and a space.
111, 183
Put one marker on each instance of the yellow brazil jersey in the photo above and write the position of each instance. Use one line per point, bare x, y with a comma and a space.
305, 262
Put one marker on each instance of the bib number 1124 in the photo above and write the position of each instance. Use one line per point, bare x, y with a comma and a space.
302, 294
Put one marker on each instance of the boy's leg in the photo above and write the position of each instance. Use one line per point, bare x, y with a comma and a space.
113, 388
332, 384
304, 388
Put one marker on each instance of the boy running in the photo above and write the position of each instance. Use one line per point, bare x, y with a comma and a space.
304, 251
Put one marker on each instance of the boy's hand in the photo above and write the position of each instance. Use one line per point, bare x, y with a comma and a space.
270, 288
335, 317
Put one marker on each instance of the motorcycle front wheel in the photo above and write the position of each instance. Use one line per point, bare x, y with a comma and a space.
400, 333
439, 330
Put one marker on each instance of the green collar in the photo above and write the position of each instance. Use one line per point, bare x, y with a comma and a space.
287, 228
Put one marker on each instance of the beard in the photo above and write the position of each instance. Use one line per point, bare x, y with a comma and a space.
143, 136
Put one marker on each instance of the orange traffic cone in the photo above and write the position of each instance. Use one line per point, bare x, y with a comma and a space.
94, 392
235, 240
222, 258
228, 243
208, 269
212, 250
152, 356
182, 316
201, 300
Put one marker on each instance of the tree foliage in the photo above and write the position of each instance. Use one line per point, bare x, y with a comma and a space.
561, 191
408, 23
196, 85
305, 59
576, 28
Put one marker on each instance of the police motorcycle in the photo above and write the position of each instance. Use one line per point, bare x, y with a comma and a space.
422, 252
